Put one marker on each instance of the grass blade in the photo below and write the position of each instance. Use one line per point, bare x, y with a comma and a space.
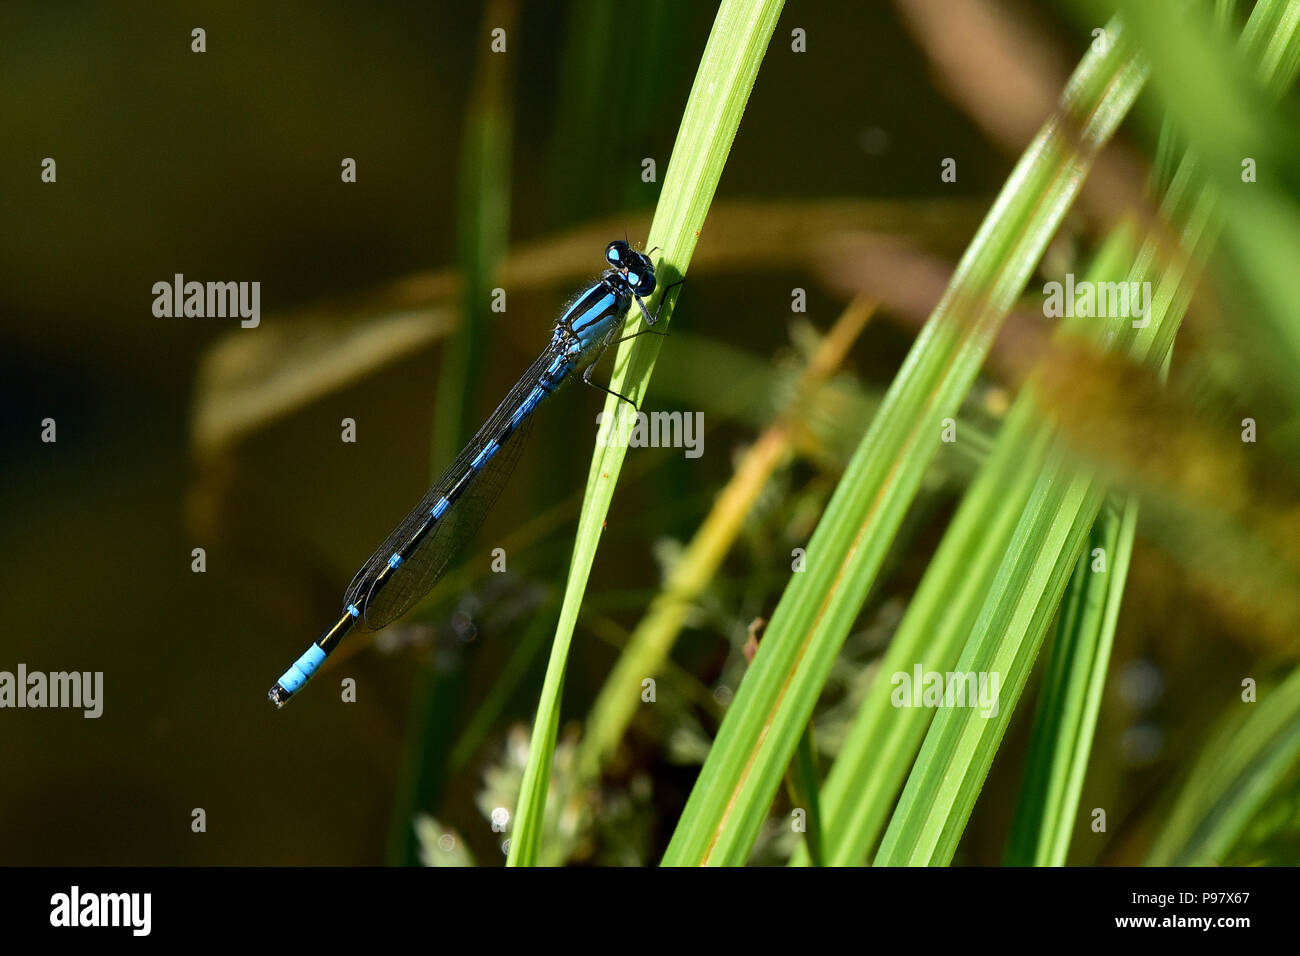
1253, 751
957, 753
774, 703
1071, 697
652, 641
722, 86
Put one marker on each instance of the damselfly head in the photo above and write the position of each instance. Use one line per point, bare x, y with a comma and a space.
636, 267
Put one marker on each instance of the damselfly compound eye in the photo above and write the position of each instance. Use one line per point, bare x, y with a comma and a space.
618, 254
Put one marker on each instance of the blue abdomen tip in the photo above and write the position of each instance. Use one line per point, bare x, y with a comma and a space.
302, 669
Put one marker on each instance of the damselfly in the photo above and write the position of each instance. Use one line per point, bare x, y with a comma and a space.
411, 560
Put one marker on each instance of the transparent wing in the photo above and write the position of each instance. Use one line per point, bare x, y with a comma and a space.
383, 603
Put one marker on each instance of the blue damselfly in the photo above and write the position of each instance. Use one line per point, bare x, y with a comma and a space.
411, 560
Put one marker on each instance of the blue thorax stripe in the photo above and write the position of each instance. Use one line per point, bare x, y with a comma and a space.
589, 308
